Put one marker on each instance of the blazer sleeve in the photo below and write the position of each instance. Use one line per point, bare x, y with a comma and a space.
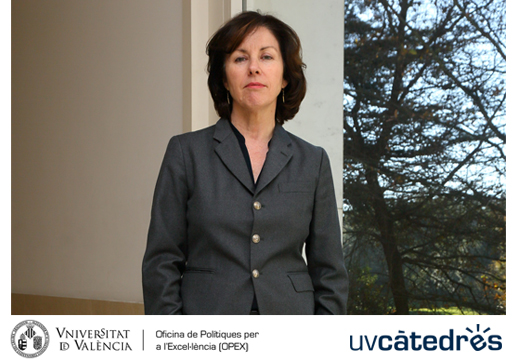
166, 250
323, 248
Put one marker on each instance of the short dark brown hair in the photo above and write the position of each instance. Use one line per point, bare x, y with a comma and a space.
227, 39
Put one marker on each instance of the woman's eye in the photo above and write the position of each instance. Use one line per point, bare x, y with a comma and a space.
240, 59
267, 57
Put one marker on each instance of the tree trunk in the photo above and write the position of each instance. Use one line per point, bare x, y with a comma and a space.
389, 242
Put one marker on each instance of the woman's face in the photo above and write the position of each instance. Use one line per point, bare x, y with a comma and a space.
254, 72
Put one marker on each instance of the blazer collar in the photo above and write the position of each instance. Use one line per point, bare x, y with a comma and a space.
228, 150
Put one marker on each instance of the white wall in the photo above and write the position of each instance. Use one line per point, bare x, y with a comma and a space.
96, 94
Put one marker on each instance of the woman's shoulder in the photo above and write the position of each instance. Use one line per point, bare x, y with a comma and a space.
304, 146
194, 137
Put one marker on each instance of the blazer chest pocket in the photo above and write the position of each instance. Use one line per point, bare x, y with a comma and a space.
198, 270
296, 187
301, 281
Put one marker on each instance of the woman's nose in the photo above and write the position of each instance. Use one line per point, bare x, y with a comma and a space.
253, 68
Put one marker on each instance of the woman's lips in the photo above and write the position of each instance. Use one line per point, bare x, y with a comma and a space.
255, 85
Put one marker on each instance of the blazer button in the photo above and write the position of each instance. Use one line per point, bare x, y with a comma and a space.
256, 273
256, 238
257, 205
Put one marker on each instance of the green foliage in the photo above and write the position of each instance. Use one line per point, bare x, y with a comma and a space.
444, 311
367, 296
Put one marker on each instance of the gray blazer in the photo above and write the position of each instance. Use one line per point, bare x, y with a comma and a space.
215, 241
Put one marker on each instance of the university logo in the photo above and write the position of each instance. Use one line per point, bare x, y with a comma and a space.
30, 339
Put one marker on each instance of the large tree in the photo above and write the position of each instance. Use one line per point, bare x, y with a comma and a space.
424, 99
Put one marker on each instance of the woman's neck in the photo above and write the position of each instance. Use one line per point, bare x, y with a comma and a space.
254, 126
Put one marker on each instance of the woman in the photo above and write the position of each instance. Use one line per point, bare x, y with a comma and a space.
236, 203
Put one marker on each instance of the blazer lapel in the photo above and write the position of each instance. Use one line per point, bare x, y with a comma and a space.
229, 152
278, 156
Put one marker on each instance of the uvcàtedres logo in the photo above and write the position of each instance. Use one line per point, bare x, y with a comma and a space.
30, 339
471, 339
